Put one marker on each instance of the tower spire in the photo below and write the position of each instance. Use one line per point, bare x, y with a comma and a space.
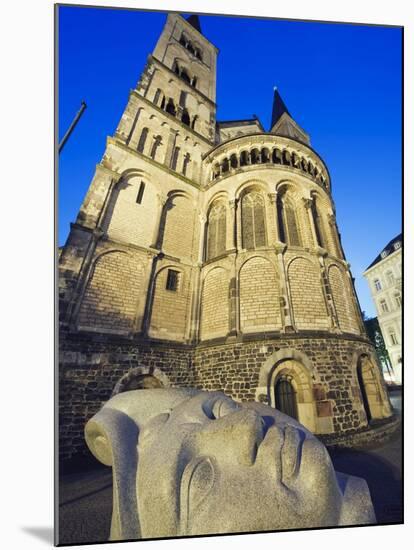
279, 107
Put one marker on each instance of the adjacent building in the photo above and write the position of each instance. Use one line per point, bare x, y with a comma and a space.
206, 254
384, 278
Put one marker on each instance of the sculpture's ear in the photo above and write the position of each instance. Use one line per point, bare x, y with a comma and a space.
357, 508
112, 437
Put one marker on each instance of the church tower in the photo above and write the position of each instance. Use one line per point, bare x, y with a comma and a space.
206, 254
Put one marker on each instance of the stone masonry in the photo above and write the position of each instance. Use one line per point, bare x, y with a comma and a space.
207, 254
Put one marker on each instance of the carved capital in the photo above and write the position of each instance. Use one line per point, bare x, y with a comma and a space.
307, 203
272, 198
280, 247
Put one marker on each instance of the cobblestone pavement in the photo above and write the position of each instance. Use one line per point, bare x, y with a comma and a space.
381, 467
86, 498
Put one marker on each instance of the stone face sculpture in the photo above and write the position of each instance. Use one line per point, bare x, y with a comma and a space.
189, 462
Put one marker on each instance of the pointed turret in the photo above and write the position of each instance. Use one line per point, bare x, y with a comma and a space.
282, 122
195, 22
279, 107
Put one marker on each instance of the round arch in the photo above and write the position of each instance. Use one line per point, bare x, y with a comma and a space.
297, 368
374, 399
141, 378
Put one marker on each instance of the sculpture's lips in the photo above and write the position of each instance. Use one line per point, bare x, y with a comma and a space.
284, 446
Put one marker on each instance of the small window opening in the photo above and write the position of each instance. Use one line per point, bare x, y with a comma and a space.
172, 280
140, 192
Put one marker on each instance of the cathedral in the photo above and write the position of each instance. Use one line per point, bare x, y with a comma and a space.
206, 254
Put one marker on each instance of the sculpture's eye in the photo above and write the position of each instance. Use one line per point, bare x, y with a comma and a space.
196, 483
220, 407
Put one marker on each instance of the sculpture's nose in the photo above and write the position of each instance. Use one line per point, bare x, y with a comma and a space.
234, 438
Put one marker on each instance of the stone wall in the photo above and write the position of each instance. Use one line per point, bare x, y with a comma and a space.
93, 366
90, 369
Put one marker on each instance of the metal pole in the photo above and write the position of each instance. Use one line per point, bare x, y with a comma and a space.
72, 126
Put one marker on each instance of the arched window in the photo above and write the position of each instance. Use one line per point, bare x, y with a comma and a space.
253, 220
265, 155
285, 397
183, 40
157, 96
233, 161
183, 97
171, 107
244, 158
225, 165
185, 118
216, 231
291, 224
174, 159
280, 221
287, 221
185, 76
186, 162
142, 140
155, 145
193, 124
317, 222
255, 156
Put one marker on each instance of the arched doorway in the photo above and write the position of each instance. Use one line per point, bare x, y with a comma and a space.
362, 378
375, 402
285, 397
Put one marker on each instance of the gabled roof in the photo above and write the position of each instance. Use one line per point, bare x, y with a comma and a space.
389, 249
240, 122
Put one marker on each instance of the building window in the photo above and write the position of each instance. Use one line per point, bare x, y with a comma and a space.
142, 140
384, 306
384, 253
398, 300
317, 223
253, 220
397, 245
393, 338
140, 192
216, 231
377, 284
390, 278
173, 279
174, 160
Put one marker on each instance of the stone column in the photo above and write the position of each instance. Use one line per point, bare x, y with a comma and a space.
285, 302
308, 207
231, 226
170, 147
271, 213
141, 323
96, 197
202, 240
156, 238
234, 321
195, 290
327, 292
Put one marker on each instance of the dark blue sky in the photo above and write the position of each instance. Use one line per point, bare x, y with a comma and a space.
342, 84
